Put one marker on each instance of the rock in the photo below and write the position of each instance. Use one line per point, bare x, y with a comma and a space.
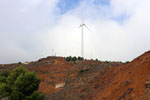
60, 85
119, 98
127, 83
147, 84
127, 92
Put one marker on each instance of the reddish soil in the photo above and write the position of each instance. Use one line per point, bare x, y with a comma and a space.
92, 80
125, 82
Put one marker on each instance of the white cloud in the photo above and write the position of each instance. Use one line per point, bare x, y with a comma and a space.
29, 29
20, 23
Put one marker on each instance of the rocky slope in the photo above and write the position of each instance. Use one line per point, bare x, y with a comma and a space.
74, 77
127, 82
92, 80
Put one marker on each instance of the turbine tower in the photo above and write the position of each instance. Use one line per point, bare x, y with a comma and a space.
82, 36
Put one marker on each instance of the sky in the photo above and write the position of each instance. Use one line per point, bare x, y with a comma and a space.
30, 29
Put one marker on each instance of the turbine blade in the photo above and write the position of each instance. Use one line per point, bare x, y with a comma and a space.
87, 28
79, 26
82, 20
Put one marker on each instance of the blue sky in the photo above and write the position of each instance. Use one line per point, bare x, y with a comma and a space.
30, 29
66, 5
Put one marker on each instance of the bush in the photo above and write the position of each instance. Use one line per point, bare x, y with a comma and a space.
74, 59
68, 58
3, 76
107, 62
21, 85
5, 73
127, 62
82, 71
19, 63
80, 58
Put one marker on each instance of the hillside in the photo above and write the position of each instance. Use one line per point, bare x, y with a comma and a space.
91, 80
128, 82
56, 70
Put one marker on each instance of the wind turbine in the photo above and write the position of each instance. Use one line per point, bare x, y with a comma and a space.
82, 36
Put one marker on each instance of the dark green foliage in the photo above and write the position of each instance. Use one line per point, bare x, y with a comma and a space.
3, 76
21, 85
82, 71
5, 73
80, 58
96, 59
3, 92
68, 58
19, 63
107, 62
127, 62
74, 58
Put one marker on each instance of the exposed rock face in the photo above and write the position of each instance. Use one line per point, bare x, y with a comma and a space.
60, 85
147, 84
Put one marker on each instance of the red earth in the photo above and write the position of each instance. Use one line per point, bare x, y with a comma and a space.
92, 80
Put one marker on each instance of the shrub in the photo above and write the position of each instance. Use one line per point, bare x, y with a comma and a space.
107, 62
19, 63
3, 76
80, 58
21, 85
68, 58
5, 73
96, 59
74, 59
82, 71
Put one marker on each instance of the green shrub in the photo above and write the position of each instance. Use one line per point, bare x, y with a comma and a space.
107, 62
5, 73
127, 62
21, 85
74, 59
80, 58
19, 63
68, 58
82, 71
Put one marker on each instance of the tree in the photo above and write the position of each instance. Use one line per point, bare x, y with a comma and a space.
74, 58
68, 58
3, 78
96, 59
80, 58
21, 85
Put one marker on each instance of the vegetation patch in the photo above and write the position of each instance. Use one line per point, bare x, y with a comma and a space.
82, 71
20, 84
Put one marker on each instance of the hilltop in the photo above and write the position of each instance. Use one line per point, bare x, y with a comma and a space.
90, 79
